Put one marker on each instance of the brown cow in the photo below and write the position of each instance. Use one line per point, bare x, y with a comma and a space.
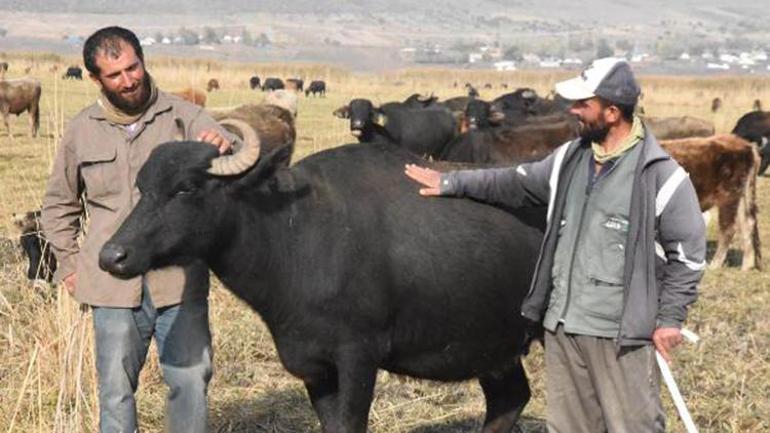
195, 96
669, 128
213, 84
274, 125
716, 104
723, 169
296, 84
18, 96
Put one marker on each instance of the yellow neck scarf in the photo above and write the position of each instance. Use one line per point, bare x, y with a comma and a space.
636, 134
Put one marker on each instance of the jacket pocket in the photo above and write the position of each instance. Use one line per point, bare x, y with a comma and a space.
607, 299
607, 266
100, 172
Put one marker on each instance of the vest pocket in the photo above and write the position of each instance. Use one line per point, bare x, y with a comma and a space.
607, 298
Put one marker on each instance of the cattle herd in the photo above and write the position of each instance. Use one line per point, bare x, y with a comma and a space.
318, 253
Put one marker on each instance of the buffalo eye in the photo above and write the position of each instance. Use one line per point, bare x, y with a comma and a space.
185, 189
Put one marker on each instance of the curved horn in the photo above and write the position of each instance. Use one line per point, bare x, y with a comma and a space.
230, 165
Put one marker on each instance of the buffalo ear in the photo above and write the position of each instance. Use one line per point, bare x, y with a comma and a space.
380, 118
266, 167
342, 112
496, 117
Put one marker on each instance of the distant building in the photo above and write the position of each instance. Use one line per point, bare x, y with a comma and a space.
718, 66
148, 41
505, 65
550, 63
475, 57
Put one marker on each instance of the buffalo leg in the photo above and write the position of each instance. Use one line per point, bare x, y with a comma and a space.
357, 375
323, 394
506, 393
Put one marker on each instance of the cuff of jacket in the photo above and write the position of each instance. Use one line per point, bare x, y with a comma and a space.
447, 184
64, 267
668, 323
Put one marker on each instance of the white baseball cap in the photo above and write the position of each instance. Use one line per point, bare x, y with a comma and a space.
610, 78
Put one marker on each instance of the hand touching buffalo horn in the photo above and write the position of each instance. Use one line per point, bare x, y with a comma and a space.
229, 165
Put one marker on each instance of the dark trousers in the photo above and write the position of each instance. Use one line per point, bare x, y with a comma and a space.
591, 388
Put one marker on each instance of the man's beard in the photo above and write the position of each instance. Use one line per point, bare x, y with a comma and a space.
594, 133
126, 105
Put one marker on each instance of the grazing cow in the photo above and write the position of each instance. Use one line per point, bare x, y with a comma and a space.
457, 104
40, 258
503, 86
316, 88
18, 96
487, 85
723, 169
510, 144
526, 102
53, 69
213, 84
472, 92
73, 73
254, 82
349, 268
3, 69
273, 123
271, 84
754, 126
27, 70
417, 100
295, 84
481, 114
716, 104
669, 128
424, 132
197, 97
757, 105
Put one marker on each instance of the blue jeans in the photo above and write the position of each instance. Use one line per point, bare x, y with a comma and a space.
183, 340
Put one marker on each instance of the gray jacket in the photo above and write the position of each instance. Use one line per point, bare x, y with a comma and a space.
666, 245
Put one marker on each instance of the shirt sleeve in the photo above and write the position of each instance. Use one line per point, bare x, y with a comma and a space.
681, 244
525, 185
62, 208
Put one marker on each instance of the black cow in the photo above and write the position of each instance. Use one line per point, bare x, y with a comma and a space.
40, 258
73, 73
254, 82
754, 126
272, 84
424, 132
316, 88
349, 267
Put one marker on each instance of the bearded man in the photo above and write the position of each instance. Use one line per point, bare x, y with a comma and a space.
98, 158
623, 252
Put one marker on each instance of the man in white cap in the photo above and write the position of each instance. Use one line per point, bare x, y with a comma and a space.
623, 252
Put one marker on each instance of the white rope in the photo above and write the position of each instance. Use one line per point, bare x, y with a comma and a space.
681, 407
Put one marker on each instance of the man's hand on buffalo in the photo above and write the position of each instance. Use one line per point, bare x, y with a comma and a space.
215, 138
427, 177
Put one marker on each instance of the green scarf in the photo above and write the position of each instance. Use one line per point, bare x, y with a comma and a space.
636, 134
115, 115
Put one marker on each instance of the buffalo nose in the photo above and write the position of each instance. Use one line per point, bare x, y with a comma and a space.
111, 255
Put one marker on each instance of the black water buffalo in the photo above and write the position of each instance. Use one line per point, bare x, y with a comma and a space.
41, 261
510, 144
754, 126
254, 82
424, 132
480, 114
271, 84
316, 88
73, 73
349, 267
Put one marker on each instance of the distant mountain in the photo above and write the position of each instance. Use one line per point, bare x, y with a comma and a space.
625, 11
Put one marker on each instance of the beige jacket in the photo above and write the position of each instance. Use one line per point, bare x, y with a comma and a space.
102, 159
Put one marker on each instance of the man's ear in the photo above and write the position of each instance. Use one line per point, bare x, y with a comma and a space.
96, 80
342, 112
266, 167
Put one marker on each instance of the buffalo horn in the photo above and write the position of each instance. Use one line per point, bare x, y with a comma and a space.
237, 163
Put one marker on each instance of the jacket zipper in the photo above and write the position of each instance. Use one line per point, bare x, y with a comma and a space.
563, 317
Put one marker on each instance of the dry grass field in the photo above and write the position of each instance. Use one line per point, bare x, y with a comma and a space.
47, 379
